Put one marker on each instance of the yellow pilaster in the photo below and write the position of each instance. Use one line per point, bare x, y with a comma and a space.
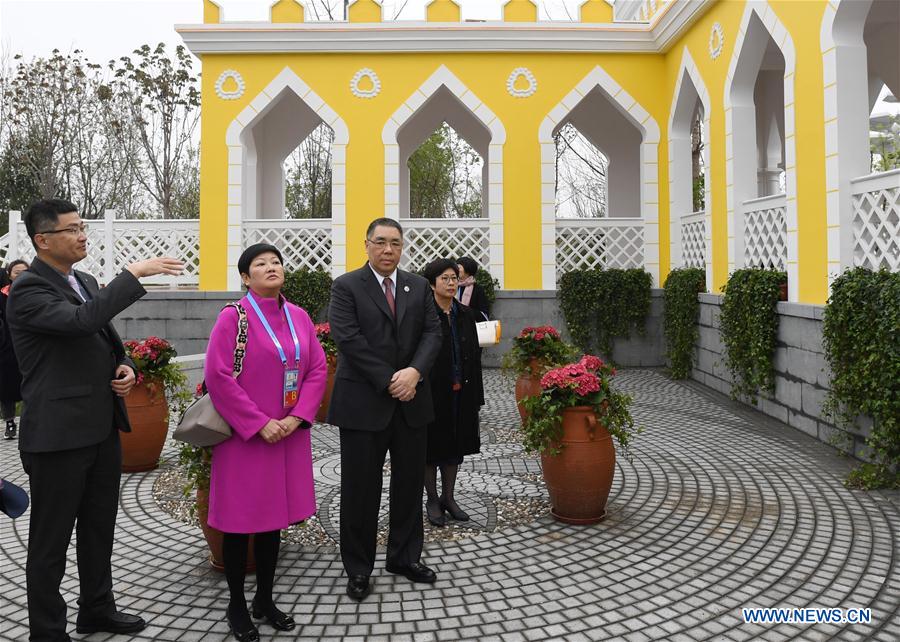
364, 11
596, 11
443, 11
286, 11
212, 13
520, 11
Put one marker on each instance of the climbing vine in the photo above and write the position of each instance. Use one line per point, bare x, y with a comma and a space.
749, 327
861, 334
599, 305
680, 319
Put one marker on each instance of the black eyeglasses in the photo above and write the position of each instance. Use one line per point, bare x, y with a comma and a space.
74, 230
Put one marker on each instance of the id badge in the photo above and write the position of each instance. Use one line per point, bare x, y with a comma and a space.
291, 387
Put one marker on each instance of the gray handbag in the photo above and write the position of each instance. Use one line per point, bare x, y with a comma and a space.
201, 424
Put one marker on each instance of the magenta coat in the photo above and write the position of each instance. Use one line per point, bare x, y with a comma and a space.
256, 486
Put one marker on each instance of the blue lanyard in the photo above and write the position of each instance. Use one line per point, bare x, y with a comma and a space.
272, 336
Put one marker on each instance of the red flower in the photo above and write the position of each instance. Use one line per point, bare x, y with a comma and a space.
592, 363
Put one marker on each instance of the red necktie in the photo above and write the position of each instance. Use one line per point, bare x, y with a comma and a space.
389, 294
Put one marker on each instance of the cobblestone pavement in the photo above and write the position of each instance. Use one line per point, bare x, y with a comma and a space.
721, 508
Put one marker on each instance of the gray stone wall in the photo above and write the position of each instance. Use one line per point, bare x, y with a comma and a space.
801, 371
517, 309
186, 318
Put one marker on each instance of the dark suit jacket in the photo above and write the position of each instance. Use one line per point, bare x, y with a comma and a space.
372, 346
68, 352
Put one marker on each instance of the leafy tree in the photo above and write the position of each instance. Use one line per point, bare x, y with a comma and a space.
444, 177
160, 95
307, 174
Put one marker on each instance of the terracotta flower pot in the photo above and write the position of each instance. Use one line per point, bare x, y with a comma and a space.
214, 537
783, 291
322, 413
527, 385
580, 477
142, 446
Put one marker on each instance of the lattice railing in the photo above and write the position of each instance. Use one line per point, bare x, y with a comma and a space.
114, 243
765, 232
303, 242
602, 242
693, 240
140, 239
876, 221
429, 239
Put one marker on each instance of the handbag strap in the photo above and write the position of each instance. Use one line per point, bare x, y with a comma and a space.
240, 346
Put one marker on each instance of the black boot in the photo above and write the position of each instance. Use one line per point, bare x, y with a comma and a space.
448, 483
11, 429
433, 510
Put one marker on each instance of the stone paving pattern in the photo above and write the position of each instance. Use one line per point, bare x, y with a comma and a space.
721, 508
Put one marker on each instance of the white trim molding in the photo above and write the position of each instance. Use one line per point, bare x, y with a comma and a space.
443, 77
330, 37
677, 146
716, 41
238, 192
845, 93
644, 122
747, 148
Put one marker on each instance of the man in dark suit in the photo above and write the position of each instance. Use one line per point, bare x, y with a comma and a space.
388, 336
74, 375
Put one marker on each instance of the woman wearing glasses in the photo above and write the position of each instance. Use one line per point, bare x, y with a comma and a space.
457, 391
261, 479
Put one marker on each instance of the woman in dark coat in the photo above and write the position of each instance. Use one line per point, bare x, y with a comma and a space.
457, 391
470, 293
10, 376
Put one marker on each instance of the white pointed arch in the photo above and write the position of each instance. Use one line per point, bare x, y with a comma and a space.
688, 70
443, 77
737, 187
649, 179
241, 190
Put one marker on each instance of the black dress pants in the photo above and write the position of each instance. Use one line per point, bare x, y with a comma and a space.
362, 461
69, 487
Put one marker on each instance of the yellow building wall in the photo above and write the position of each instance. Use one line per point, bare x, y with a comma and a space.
649, 78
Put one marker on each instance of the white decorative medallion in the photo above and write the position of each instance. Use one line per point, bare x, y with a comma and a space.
521, 72
365, 72
238, 81
716, 41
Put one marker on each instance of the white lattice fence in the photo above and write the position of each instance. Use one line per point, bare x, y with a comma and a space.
876, 221
599, 243
139, 239
693, 240
303, 242
428, 239
765, 233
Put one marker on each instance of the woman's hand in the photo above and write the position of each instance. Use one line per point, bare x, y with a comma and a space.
274, 431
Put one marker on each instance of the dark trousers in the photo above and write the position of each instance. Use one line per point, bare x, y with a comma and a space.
69, 486
362, 461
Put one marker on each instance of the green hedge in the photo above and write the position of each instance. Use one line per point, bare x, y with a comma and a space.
310, 289
599, 305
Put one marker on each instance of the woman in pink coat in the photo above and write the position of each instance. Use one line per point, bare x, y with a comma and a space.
261, 477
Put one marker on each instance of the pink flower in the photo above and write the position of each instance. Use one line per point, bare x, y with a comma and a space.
591, 362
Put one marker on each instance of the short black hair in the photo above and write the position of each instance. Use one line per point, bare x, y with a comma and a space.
387, 222
469, 265
437, 267
247, 256
44, 215
12, 264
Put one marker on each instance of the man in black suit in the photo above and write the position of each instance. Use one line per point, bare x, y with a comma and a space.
74, 375
388, 336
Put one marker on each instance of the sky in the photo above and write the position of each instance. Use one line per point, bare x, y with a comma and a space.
107, 29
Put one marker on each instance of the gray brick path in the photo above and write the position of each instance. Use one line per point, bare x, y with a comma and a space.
721, 508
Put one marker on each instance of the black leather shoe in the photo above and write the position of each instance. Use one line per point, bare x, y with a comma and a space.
118, 622
415, 572
278, 619
435, 513
455, 511
242, 628
11, 429
358, 587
